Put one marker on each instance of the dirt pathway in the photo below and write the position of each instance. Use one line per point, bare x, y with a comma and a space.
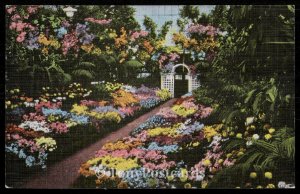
64, 173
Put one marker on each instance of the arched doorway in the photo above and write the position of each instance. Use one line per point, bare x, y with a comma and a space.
181, 81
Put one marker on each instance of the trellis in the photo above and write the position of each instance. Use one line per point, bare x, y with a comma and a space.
167, 80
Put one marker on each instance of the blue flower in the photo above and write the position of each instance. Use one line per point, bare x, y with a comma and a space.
61, 32
81, 119
30, 161
165, 149
152, 122
22, 155
190, 129
57, 112
149, 103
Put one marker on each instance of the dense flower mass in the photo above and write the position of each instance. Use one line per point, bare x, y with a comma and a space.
98, 21
42, 121
203, 30
153, 145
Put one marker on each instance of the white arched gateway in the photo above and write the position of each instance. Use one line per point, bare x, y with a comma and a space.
185, 79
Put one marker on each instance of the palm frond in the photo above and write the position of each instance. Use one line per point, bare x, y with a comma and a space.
83, 73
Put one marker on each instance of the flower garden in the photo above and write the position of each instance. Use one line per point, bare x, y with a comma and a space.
72, 80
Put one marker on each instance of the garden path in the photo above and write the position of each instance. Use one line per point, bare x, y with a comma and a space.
64, 173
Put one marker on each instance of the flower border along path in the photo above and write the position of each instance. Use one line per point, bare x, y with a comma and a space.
64, 173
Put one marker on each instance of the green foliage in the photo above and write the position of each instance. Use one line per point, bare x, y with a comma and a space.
150, 25
100, 92
164, 29
84, 72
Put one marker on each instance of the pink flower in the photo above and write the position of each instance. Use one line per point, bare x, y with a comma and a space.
137, 34
120, 153
101, 153
21, 37
11, 9
97, 21
150, 166
59, 127
228, 163
32, 9
135, 152
13, 25
15, 17
69, 41
173, 56
16, 136
20, 26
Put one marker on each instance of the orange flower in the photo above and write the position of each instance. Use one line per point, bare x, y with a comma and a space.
148, 46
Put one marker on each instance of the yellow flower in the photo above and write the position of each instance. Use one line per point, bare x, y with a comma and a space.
46, 143
170, 178
271, 130
119, 163
204, 184
87, 48
79, 109
210, 131
224, 133
253, 175
169, 131
187, 186
268, 136
196, 144
259, 187
184, 172
45, 51
220, 161
240, 153
270, 186
239, 136
268, 175
206, 162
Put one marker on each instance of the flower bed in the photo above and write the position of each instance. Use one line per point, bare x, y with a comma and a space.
37, 127
163, 143
172, 149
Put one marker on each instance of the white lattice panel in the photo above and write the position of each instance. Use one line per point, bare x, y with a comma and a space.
167, 82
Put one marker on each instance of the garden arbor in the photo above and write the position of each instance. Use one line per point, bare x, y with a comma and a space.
180, 80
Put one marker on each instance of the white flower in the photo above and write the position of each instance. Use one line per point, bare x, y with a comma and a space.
36, 126
188, 121
281, 184
249, 120
249, 143
200, 177
255, 137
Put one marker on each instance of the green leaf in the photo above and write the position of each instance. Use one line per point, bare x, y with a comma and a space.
272, 92
256, 102
249, 95
134, 64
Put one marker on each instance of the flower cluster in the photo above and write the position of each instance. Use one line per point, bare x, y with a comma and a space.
135, 35
201, 29
152, 145
98, 21
37, 122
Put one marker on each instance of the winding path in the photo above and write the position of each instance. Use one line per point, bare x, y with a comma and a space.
64, 173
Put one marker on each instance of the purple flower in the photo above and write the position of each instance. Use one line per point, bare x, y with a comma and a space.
31, 42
